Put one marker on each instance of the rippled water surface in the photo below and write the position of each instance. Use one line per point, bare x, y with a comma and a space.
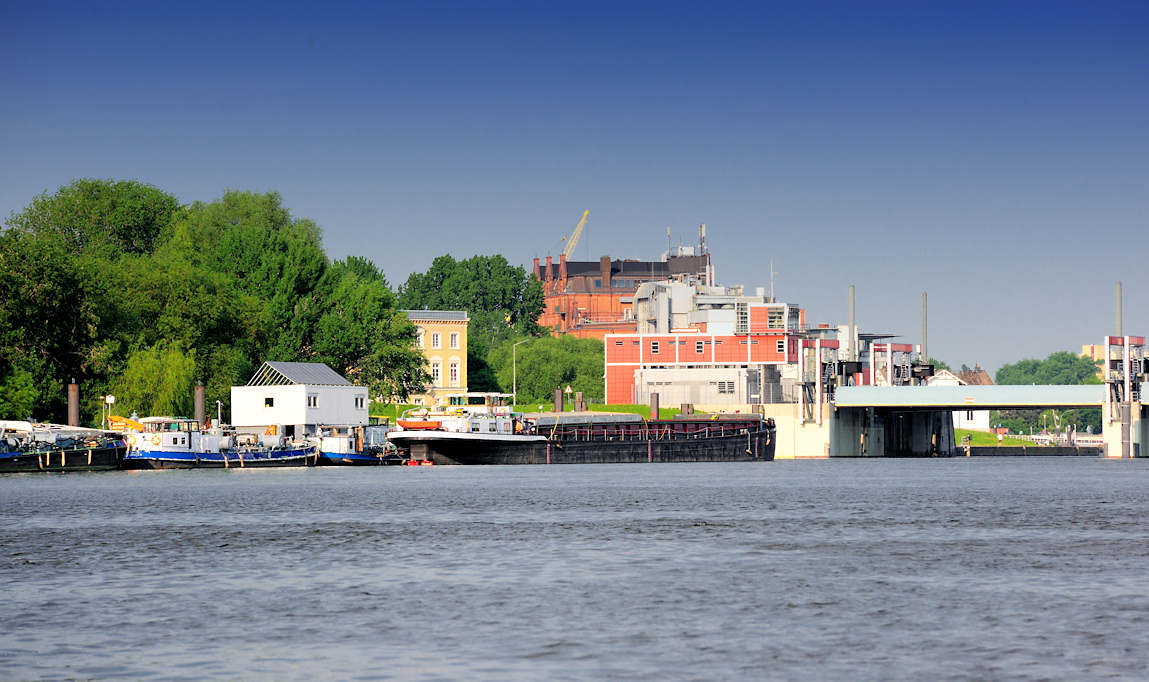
858, 569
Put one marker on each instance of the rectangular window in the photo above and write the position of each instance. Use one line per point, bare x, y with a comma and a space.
598, 284
781, 345
454, 374
699, 346
269, 402
475, 426
313, 401
653, 346
436, 341
454, 339
358, 402
436, 372
618, 343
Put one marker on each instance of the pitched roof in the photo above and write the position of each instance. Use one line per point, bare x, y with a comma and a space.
285, 373
976, 376
437, 315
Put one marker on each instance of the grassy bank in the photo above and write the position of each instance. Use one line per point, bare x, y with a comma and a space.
982, 438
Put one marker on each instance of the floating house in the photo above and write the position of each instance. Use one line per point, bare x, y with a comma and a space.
297, 398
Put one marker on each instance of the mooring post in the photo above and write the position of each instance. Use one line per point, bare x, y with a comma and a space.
73, 404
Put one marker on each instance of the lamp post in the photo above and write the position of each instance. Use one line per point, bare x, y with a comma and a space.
515, 372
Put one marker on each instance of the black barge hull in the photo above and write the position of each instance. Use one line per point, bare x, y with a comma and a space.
74, 459
741, 447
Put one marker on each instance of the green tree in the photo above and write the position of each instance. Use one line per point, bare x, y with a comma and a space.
501, 300
158, 380
48, 319
268, 255
100, 217
546, 363
363, 336
938, 364
1060, 368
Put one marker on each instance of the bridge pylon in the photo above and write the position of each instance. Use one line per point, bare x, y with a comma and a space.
1124, 429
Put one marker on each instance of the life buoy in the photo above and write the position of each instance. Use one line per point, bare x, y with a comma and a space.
156, 439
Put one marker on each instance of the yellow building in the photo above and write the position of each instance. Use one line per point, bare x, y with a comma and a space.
1095, 352
443, 340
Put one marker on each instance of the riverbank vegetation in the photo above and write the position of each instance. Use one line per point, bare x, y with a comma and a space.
119, 286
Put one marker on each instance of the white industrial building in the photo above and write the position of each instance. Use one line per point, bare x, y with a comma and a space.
298, 398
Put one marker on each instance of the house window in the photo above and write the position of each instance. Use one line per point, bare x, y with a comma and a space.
726, 387
269, 402
436, 372
359, 402
419, 337
436, 342
653, 346
618, 343
454, 339
699, 346
454, 374
313, 401
781, 345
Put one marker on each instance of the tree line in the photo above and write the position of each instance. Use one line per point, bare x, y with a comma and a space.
118, 285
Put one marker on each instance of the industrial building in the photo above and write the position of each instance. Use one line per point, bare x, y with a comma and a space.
591, 299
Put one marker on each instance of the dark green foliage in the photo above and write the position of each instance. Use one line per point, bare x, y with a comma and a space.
502, 300
116, 285
1061, 368
100, 217
546, 363
938, 364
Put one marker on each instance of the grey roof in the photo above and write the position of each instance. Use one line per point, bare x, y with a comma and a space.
284, 373
437, 315
970, 397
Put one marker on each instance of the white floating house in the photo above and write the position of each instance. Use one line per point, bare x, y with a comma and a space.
297, 398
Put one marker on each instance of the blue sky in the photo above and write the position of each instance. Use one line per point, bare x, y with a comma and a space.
992, 154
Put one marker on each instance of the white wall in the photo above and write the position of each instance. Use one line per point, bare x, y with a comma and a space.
336, 405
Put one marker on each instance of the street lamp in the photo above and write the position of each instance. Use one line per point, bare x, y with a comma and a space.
515, 372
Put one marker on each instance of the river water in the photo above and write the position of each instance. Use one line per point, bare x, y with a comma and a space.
844, 569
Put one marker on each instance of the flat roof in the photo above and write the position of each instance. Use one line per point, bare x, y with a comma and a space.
437, 315
971, 397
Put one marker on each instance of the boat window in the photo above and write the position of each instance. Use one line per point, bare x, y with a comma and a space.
269, 402
475, 426
491, 426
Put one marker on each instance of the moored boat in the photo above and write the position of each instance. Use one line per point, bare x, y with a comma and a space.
31, 446
179, 443
358, 445
496, 436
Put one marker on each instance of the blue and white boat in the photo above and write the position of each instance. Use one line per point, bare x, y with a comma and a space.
179, 443
356, 445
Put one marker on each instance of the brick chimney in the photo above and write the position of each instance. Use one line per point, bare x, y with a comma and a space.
550, 273
538, 275
562, 267
604, 271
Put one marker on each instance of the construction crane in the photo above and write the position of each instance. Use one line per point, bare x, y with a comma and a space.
572, 238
